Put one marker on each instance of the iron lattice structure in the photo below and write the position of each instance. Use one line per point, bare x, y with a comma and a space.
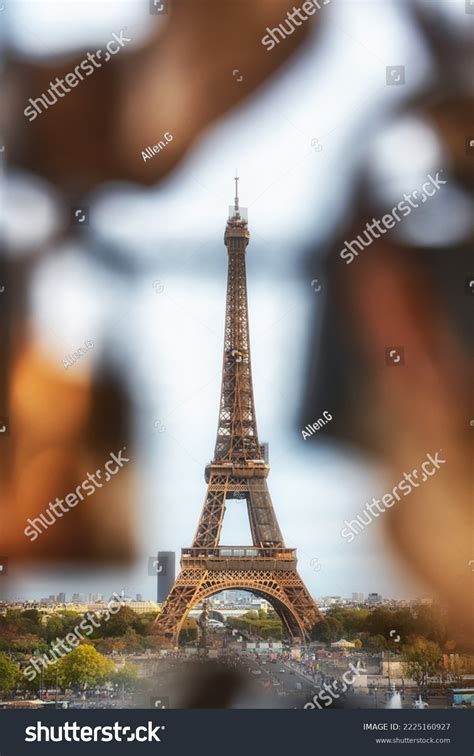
238, 471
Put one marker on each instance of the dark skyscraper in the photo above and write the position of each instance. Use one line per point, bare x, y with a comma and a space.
166, 574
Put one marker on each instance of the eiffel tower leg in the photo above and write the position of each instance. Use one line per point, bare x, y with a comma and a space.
263, 522
302, 604
210, 523
181, 599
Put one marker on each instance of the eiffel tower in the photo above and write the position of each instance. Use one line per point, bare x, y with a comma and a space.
238, 471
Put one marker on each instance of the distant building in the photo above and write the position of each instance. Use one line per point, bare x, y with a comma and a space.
374, 598
166, 574
343, 643
101, 607
61, 598
139, 597
332, 600
359, 597
143, 607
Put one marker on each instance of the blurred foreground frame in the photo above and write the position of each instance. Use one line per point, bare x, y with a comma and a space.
59, 426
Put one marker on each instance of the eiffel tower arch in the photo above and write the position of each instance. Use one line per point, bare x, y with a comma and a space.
238, 470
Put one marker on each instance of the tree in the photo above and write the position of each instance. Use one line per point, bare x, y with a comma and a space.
144, 622
119, 623
378, 642
328, 630
153, 642
457, 666
8, 673
423, 659
69, 620
84, 667
126, 677
388, 623
430, 623
54, 628
251, 615
32, 619
189, 631
353, 620
111, 645
27, 644
16, 623
133, 643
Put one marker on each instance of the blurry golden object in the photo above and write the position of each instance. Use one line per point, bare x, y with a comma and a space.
49, 455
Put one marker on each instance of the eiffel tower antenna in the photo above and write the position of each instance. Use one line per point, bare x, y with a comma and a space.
236, 205
239, 471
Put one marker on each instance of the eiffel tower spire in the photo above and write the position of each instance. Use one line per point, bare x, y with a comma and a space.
236, 204
238, 471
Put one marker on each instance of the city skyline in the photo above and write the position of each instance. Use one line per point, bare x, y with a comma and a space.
102, 597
